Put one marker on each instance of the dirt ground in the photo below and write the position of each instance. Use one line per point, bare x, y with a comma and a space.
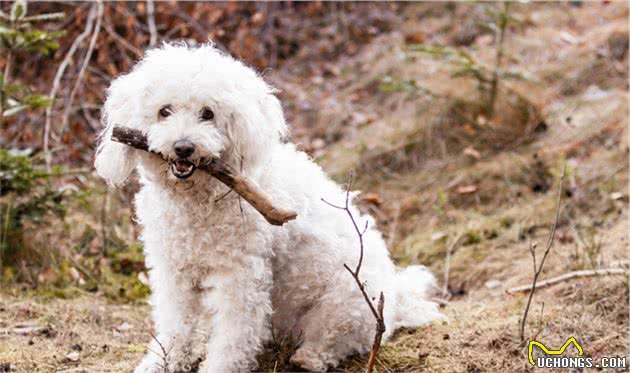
464, 196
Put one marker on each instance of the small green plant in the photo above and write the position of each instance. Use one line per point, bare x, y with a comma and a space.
17, 35
25, 196
487, 77
441, 202
390, 84
471, 237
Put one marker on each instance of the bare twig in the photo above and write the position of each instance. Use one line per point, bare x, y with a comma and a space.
151, 22
86, 62
532, 248
378, 310
163, 353
122, 42
57, 80
570, 276
93, 122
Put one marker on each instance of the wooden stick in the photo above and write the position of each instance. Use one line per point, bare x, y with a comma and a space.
222, 171
569, 276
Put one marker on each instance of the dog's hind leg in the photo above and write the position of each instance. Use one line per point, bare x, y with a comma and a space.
338, 326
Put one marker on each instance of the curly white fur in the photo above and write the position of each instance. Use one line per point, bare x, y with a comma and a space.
221, 256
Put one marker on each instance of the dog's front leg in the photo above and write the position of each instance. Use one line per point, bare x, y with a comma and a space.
175, 311
241, 301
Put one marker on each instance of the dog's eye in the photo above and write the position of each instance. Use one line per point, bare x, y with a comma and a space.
206, 114
165, 111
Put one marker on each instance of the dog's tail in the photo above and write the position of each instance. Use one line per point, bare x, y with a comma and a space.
413, 285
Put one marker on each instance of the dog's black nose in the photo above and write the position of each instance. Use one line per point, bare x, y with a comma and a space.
184, 148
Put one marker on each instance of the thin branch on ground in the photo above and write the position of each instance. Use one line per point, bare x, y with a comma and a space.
56, 82
377, 310
548, 246
86, 62
570, 276
447, 265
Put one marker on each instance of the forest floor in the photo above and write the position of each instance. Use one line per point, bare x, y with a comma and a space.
462, 194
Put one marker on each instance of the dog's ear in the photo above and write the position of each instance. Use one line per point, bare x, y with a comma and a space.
254, 130
114, 162
272, 111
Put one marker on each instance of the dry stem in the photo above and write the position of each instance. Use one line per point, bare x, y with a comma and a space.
163, 354
57, 80
378, 310
532, 248
86, 62
447, 265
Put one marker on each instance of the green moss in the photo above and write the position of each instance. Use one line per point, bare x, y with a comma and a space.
471, 237
123, 288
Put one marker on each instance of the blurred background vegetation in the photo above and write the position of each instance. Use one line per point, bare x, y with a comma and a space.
455, 117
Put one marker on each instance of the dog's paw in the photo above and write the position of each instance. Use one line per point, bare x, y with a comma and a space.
154, 364
150, 364
188, 364
308, 360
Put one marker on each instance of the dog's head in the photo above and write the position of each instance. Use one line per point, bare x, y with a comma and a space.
194, 104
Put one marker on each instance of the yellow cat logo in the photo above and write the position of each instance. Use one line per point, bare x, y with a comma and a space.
560, 351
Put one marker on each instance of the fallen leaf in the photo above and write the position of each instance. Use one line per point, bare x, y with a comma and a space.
414, 38
484, 40
73, 356
466, 189
438, 236
568, 38
492, 284
470, 130
258, 19
616, 196
359, 119
47, 276
318, 143
372, 198
124, 327
332, 69
472, 152
74, 273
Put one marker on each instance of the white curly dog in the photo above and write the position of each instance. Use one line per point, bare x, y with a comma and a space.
210, 253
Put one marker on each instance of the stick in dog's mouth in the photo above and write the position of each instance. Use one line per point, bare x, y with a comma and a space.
182, 168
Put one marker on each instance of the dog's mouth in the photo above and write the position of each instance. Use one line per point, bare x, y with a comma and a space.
182, 169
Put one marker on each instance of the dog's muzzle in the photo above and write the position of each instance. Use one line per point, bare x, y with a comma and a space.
182, 167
